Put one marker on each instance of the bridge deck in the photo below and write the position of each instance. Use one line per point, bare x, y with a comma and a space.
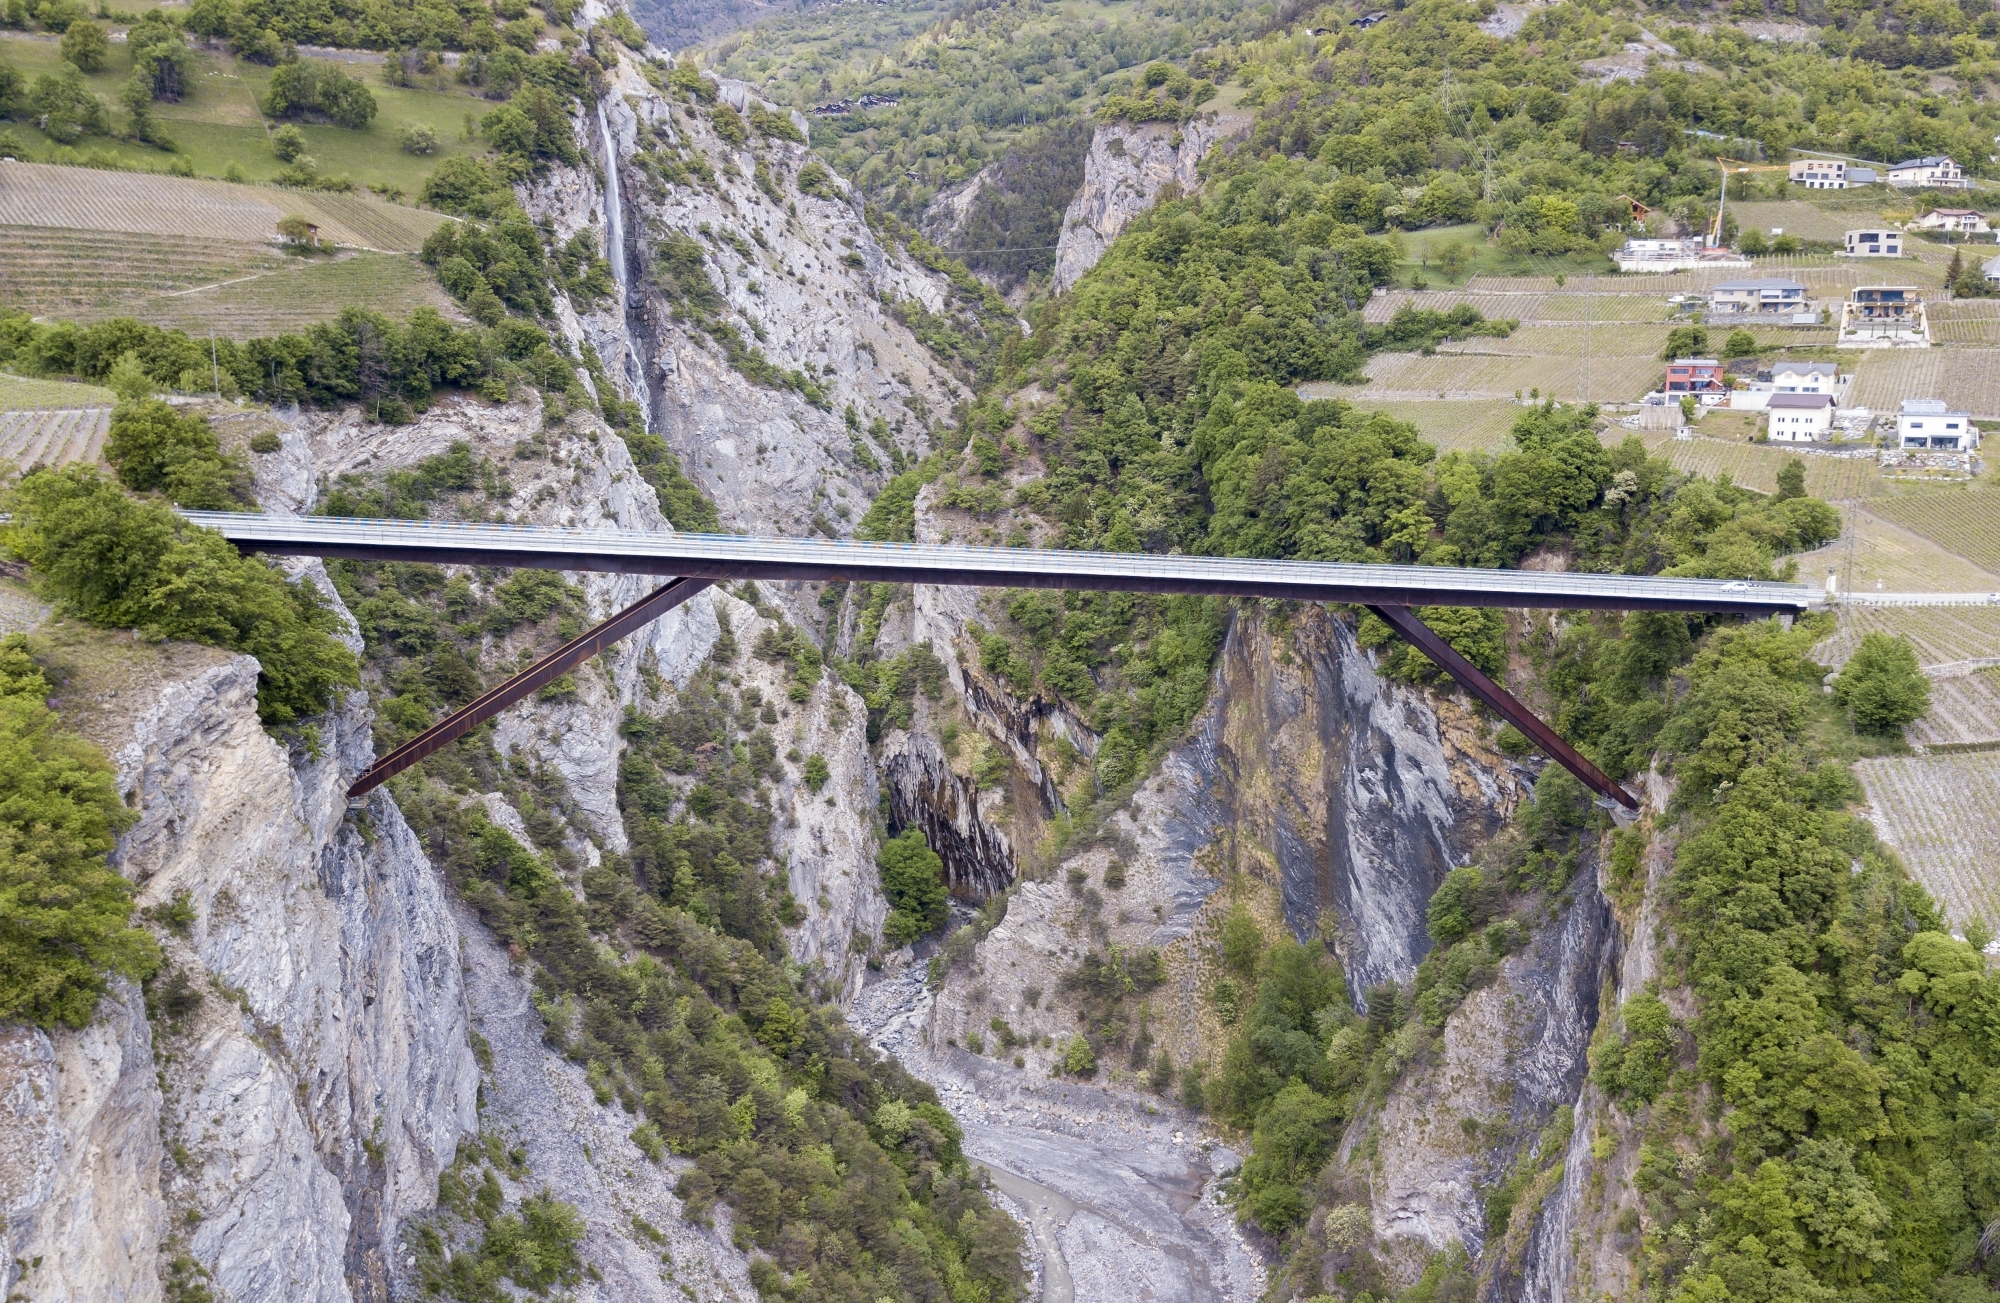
732, 557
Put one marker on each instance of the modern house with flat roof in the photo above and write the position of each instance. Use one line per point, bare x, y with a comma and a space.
1932, 172
1875, 244
1884, 316
1769, 295
1694, 375
1799, 418
1819, 173
1928, 424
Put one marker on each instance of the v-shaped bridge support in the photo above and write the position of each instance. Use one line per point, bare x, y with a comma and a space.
665, 598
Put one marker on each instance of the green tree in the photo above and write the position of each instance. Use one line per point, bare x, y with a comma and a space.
65, 108
1741, 343
288, 143
65, 916
1685, 341
1290, 1143
913, 880
1791, 479
86, 45
1881, 686
156, 449
126, 564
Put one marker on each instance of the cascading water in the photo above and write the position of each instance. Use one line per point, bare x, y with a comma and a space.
614, 204
614, 230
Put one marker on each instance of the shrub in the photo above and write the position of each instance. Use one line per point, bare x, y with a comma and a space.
288, 142
127, 564
816, 772
65, 917
420, 138
815, 180
1881, 686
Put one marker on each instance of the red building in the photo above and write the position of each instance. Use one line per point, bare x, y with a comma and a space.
1695, 375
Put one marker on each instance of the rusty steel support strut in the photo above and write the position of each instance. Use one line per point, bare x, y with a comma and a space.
543, 672
1425, 639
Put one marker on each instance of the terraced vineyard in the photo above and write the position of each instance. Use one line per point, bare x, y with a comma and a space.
1819, 272
1875, 554
84, 199
1942, 814
1470, 426
1967, 378
1400, 377
53, 437
1756, 466
19, 393
1610, 339
298, 295
1968, 321
1948, 640
1806, 220
1961, 520
237, 288
1557, 308
70, 274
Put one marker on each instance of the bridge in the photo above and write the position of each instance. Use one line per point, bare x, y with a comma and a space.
691, 562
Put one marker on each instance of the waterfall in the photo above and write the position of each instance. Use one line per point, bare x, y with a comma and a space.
614, 205
614, 233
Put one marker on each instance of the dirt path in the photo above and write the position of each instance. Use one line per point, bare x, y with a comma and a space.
1116, 1191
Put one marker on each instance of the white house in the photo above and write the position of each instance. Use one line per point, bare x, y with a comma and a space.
1799, 418
1806, 378
1875, 244
1762, 294
1962, 221
1932, 172
1819, 173
1925, 423
1993, 271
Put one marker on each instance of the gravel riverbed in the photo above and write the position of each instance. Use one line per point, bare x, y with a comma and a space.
1117, 1191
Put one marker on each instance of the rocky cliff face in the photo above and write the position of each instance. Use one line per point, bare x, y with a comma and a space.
802, 278
310, 1072
1130, 166
1345, 798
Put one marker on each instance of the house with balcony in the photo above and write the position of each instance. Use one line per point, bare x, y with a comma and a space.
1932, 172
1773, 297
1957, 221
1819, 173
1929, 424
1875, 243
1884, 316
1799, 418
1694, 375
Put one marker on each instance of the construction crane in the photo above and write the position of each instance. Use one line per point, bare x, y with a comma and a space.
1726, 166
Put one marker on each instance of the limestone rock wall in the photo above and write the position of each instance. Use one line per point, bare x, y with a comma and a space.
1130, 165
